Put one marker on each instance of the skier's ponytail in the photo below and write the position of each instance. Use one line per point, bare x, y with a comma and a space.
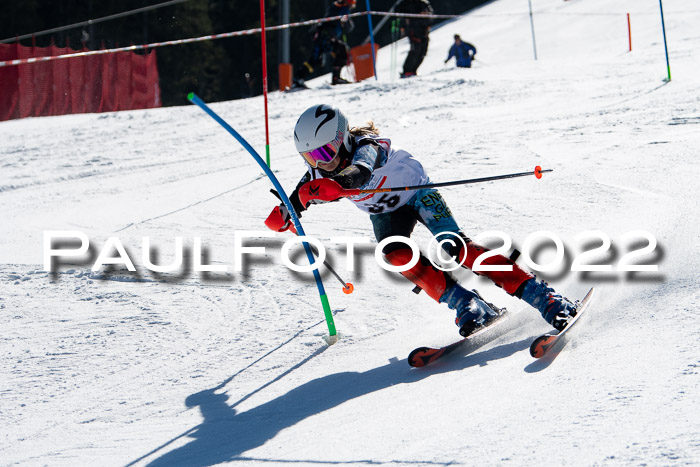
367, 129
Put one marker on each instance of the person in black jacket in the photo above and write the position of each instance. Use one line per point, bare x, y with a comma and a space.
328, 39
417, 30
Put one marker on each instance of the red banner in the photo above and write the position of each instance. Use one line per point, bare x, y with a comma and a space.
82, 84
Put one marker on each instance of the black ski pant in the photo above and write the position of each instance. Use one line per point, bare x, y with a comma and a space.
419, 47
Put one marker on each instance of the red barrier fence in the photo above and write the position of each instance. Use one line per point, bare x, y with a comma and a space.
81, 84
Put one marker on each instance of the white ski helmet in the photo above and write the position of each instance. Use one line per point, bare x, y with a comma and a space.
319, 134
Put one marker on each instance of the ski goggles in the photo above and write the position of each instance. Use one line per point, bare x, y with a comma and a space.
325, 153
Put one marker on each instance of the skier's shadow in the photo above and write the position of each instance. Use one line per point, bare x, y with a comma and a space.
225, 434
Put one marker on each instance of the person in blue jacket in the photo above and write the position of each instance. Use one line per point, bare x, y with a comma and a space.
463, 52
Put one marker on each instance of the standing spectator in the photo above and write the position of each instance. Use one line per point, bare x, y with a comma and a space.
248, 85
463, 52
328, 39
417, 30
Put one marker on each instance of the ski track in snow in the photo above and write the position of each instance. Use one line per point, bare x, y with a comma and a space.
118, 368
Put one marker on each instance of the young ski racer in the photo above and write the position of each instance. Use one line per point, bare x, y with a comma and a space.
338, 157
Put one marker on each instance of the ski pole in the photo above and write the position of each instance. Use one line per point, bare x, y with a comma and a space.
348, 288
328, 190
537, 173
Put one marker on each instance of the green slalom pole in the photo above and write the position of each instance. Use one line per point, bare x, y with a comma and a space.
663, 27
333, 335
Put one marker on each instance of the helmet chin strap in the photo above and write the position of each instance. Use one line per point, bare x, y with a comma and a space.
353, 142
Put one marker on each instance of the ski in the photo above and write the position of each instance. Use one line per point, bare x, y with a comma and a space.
543, 344
423, 356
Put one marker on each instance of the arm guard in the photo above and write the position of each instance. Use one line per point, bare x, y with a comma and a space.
353, 176
364, 161
294, 197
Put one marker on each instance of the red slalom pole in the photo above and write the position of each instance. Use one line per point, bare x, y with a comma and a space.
264, 72
629, 30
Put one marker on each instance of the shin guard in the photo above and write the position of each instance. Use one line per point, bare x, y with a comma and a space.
510, 281
423, 274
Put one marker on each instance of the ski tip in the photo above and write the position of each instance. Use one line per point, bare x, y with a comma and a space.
348, 289
541, 345
423, 356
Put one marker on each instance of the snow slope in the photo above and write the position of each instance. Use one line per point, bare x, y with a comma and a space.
187, 368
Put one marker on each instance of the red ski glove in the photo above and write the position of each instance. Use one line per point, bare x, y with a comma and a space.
279, 220
323, 189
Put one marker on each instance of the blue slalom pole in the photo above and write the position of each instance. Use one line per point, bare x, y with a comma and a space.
663, 27
371, 40
192, 97
532, 27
